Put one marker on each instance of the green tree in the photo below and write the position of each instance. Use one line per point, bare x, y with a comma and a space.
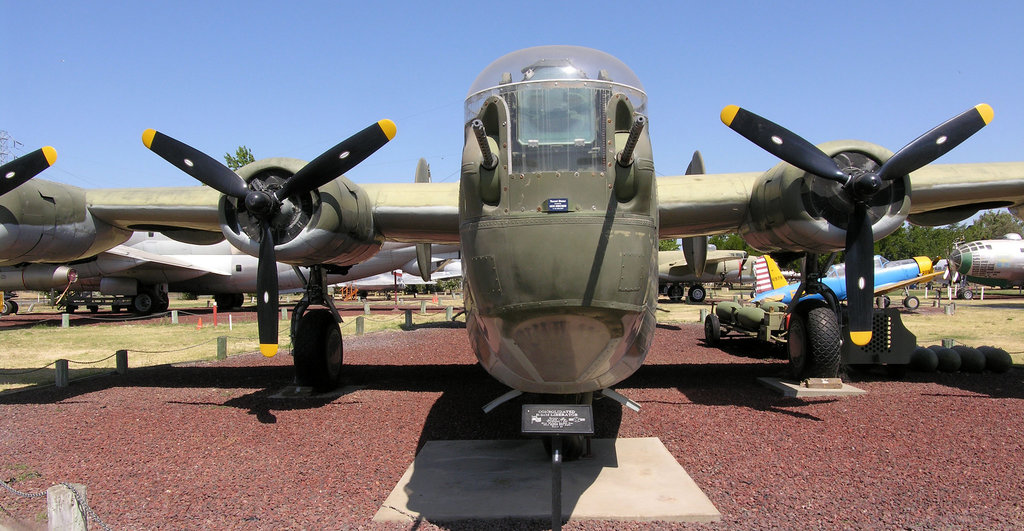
732, 242
993, 225
242, 156
668, 245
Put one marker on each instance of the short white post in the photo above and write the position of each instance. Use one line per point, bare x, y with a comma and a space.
63, 510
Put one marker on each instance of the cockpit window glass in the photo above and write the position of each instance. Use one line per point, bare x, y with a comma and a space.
557, 116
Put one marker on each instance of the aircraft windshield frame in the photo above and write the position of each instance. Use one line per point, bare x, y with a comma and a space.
544, 64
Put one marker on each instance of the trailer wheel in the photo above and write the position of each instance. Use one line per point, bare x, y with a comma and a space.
712, 329
813, 344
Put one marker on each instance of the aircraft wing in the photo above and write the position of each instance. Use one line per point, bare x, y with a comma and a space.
220, 265
406, 212
886, 288
691, 205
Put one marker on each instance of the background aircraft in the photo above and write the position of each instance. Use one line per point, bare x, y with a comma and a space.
399, 280
889, 276
149, 265
558, 213
720, 267
998, 263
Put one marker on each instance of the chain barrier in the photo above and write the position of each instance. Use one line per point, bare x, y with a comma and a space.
88, 512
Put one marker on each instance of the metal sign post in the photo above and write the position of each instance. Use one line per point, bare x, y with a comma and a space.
556, 421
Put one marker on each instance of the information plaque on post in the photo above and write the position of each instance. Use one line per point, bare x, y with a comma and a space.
558, 419
555, 421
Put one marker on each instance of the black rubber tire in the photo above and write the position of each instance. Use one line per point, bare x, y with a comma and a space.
93, 308
318, 351
143, 303
675, 292
70, 308
813, 344
911, 302
966, 294
712, 329
14, 306
886, 301
8, 308
161, 302
697, 293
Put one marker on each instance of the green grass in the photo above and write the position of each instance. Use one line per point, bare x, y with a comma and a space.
40, 346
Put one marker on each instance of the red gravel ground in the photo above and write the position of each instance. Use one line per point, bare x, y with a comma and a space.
205, 447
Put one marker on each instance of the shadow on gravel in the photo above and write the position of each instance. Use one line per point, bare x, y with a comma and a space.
724, 384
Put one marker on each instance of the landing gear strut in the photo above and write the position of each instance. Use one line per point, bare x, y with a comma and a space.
317, 346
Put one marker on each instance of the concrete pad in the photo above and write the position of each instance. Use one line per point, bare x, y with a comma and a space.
790, 388
626, 479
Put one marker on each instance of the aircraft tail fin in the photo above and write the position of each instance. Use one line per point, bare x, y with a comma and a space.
767, 275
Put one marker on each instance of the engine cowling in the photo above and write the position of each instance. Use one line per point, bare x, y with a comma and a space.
43, 221
330, 225
795, 211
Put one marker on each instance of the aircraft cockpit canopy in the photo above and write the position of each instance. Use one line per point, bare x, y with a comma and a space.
556, 98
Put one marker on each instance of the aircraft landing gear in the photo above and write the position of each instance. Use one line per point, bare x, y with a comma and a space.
573, 446
317, 346
813, 344
10, 307
696, 293
675, 292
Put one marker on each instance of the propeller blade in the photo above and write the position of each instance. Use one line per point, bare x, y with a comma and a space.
339, 159
860, 274
937, 142
782, 143
199, 165
266, 285
16, 172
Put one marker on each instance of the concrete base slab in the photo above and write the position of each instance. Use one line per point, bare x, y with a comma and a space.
790, 388
626, 479
299, 391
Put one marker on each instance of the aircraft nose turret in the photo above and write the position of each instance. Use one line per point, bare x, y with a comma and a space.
960, 261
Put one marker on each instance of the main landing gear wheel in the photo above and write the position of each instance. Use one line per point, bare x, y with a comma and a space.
697, 293
573, 446
143, 303
911, 302
9, 308
318, 350
813, 344
675, 293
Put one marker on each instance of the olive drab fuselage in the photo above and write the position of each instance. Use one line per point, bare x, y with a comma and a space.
559, 239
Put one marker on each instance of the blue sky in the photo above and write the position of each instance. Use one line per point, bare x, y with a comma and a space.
292, 79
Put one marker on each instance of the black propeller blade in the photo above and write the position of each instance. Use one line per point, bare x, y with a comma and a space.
199, 165
264, 202
266, 287
859, 187
16, 172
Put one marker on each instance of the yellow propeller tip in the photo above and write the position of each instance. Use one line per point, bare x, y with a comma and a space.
729, 114
50, 154
388, 127
147, 137
268, 349
986, 112
860, 338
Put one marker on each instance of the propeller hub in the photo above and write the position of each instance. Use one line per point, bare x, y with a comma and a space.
259, 203
866, 185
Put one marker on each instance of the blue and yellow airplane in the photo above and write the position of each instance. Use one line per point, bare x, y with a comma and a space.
889, 276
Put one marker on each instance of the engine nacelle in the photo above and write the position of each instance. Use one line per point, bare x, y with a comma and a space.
795, 211
330, 225
36, 277
43, 221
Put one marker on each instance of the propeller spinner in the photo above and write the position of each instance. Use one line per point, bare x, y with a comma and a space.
263, 202
16, 172
859, 187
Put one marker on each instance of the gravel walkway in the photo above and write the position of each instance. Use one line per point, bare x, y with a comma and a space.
205, 446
